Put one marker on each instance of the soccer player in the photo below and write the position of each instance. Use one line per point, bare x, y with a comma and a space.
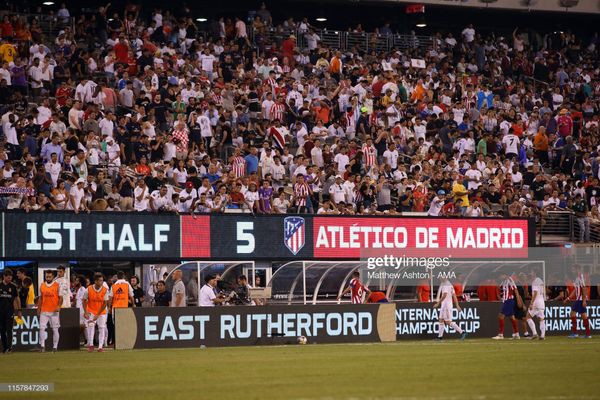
537, 306
95, 300
357, 289
65, 286
579, 296
509, 294
48, 309
447, 298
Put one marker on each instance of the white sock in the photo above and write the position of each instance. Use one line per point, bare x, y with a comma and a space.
90, 334
455, 326
542, 328
55, 338
441, 329
532, 325
101, 336
42, 336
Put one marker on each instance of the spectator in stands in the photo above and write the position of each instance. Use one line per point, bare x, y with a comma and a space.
147, 104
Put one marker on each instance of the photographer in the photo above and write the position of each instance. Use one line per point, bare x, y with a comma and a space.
208, 298
242, 292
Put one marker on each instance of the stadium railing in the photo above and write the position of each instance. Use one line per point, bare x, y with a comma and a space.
556, 226
345, 40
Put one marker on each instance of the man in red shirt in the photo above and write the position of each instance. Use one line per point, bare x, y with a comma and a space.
423, 291
287, 49
121, 50
564, 122
63, 93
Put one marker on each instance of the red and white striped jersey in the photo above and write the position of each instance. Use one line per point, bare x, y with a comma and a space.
238, 166
181, 139
350, 121
301, 192
374, 119
277, 111
580, 288
508, 288
218, 100
271, 83
469, 98
357, 290
369, 155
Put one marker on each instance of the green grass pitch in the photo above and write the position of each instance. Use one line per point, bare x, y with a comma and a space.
558, 368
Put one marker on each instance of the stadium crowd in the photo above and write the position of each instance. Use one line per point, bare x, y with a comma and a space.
138, 110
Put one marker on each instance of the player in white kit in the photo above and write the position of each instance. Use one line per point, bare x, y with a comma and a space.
446, 297
537, 307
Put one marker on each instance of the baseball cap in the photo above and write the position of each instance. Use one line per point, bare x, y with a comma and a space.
441, 192
80, 180
189, 185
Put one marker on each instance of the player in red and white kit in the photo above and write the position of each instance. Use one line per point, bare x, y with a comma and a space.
537, 306
510, 297
356, 288
447, 298
579, 306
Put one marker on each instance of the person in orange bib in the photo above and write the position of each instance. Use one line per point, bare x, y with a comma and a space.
48, 309
95, 301
121, 293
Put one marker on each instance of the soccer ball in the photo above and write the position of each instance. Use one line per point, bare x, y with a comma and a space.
302, 340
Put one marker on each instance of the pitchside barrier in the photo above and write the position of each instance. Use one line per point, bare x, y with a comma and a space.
27, 335
143, 328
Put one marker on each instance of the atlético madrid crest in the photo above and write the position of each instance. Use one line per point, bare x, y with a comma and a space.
293, 233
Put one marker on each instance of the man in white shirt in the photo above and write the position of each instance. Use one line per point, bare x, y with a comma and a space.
64, 286
141, 196
447, 299
436, 204
511, 142
44, 112
53, 167
468, 33
35, 76
178, 298
107, 125
161, 200
187, 197
420, 129
208, 297
391, 155
337, 192
537, 306
5, 73
77, 193
317, 154
341, 160
473, 176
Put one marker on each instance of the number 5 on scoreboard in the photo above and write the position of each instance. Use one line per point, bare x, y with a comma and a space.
244, 234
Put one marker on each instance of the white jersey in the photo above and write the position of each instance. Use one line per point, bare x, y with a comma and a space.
65, 291
511, 143
79, 297
447, 289
538, 286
